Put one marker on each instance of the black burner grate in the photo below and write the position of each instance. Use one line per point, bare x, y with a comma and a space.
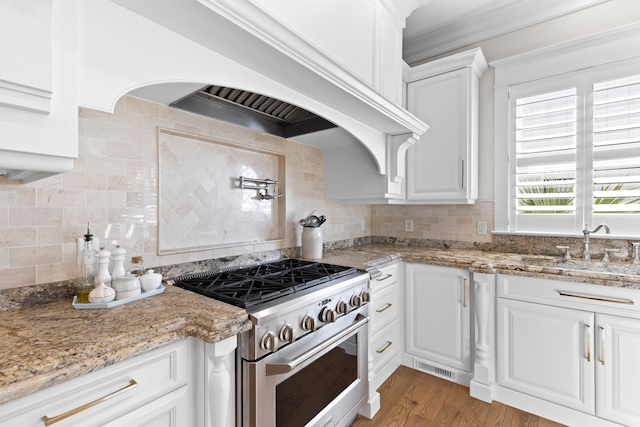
260, 283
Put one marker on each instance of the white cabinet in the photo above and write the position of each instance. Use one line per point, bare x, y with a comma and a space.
617, 369
383, 326
442, 167
38, 95
150, 389
574, 345
187, 383
546, 351
384, 345
438, 321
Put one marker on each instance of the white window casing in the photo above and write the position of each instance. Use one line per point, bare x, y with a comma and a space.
567, 137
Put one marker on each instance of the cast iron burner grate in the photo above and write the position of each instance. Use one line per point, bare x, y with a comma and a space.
250, 286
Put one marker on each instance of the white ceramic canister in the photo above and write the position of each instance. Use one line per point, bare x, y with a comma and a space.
126, 286
312, 242
150, 281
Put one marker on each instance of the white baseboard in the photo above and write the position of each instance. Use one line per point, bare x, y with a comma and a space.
372, 407
548, 410
481, 391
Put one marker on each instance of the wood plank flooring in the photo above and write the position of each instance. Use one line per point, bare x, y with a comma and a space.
412, 398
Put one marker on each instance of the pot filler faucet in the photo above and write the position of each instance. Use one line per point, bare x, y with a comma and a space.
586, 256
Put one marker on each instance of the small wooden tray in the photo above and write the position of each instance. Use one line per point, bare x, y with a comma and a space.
115, 303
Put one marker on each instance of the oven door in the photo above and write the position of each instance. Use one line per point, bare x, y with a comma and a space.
320, 380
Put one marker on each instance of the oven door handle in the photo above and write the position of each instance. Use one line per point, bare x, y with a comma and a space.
286, 365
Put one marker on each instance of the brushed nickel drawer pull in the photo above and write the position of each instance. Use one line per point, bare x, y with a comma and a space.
49, 421
617, 301
588, 327
464, 293
462, 174
380, 310
384, 278
602, 345
383, 349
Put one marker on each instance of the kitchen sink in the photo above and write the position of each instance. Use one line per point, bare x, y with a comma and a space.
613, 267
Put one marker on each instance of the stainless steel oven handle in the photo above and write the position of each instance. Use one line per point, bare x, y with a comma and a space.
289, 365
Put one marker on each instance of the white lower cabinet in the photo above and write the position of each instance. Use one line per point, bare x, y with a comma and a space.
187, 383
438, 321
137, 390
544, 351
384, 346
618, 369
571, 344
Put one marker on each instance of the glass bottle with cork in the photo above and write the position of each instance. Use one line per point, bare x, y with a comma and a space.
88, 269
136, 267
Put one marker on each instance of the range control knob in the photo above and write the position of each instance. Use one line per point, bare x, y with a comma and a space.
365, 296
342, 307
308, 323
327, 315
356, 300
286, 334
269, 342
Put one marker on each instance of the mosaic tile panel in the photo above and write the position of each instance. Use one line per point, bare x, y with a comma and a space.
201, 203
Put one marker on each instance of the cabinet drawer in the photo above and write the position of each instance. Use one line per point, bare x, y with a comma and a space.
569, 294
383, 309
383, 346
139, 380
389, 275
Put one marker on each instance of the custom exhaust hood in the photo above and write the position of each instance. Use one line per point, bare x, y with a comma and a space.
258, 112
261, 65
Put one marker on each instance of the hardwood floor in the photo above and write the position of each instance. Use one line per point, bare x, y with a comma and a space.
412, 398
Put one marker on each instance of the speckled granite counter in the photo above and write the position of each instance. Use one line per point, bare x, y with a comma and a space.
46, 344
370, 257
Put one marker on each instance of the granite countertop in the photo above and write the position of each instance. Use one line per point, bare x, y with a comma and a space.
371, 257
46, 344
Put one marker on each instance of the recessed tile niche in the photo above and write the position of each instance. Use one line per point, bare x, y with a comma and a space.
201, 203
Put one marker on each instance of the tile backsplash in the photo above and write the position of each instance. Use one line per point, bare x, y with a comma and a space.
114, 182
201, 203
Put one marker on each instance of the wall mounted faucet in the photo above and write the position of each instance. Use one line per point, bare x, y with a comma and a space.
586, 255
262, 185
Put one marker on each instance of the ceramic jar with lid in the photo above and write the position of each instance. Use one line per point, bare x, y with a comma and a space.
126, 286
150, 281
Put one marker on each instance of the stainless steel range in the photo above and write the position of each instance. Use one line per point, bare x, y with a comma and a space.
304, 362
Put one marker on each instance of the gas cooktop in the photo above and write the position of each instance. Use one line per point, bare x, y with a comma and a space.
254, 285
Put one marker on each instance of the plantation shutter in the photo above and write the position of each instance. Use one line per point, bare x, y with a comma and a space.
616, 146
544, 146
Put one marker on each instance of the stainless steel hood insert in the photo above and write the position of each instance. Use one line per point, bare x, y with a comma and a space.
258, 112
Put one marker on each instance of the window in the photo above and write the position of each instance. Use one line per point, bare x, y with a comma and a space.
569, 124
573, 141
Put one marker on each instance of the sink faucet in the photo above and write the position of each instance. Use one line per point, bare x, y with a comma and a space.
586, 256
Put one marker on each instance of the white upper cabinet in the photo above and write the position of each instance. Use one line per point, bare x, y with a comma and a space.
442, 167
38, 108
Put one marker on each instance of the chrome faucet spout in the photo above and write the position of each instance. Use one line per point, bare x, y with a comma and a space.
586, 255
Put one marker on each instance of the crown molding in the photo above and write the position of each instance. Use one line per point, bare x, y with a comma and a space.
481, 24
